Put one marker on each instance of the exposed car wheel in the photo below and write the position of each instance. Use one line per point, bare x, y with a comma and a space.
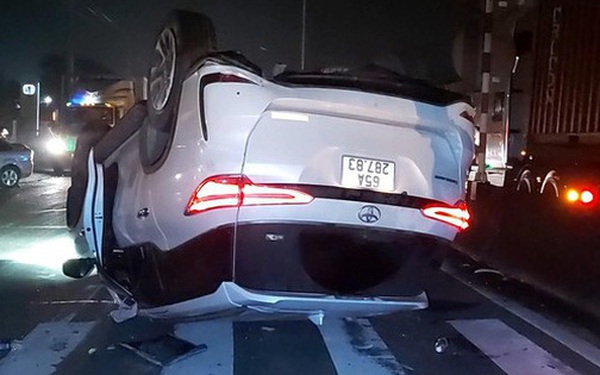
186, 38
9, 176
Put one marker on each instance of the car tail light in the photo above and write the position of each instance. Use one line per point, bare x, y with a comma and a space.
238, 190
457, 216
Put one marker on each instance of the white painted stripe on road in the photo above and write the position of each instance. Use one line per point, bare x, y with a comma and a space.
76, 302
60, 209
36, 227
511, 351
554, 330
217, 359
356, 348
45, 347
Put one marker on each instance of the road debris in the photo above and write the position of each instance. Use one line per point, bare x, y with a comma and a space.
441, 345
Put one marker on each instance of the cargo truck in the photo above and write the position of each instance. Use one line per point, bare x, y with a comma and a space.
536, 207
540, 117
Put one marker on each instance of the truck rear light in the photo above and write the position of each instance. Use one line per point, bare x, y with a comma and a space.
584, 196
457, 216
238, 190
587, 197
572, 195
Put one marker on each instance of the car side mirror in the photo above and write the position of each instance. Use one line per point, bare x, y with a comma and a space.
78, 268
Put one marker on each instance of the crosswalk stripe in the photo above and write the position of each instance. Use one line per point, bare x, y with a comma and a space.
356, 348
554, 330
218, 357
45, 347
511, 351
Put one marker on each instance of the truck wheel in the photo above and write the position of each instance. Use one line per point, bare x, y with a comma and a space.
550, 185
9, 176
186, 38
525, 182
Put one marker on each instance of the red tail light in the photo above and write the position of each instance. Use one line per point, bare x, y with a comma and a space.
586, 197
457, 216
238, 190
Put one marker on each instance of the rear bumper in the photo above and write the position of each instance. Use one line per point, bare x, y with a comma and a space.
274, 267
231, 297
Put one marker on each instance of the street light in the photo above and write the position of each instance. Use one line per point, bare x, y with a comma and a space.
47, 100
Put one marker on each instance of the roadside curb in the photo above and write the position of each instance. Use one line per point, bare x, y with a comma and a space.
580, 304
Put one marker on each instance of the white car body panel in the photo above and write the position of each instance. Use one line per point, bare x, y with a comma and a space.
415, 136
275, 134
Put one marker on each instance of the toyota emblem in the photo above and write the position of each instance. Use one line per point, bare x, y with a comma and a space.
369, 214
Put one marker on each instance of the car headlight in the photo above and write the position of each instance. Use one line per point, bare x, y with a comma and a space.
56, 146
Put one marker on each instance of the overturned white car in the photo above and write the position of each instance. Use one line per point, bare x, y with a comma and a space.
310, 193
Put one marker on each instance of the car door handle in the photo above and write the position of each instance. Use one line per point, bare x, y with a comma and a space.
142, 213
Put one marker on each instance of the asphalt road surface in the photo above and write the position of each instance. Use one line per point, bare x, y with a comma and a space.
478, 323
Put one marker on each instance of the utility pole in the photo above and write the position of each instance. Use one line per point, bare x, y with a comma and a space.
37, 110
303, 42
70, 51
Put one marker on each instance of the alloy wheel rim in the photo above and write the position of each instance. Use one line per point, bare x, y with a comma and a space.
9, 177
162, 74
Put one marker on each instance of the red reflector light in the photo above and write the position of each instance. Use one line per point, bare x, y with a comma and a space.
457, 216
586, 197
238, 190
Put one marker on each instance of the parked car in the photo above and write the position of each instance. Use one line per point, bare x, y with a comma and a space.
310, 193
16, 162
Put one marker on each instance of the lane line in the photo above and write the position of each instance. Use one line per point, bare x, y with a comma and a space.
218, 357
45, 347
35, 227
58, 209
356, 348
554, 330
75, 302
508, 349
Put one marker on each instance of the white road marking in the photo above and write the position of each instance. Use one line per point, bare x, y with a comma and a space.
59, 209
217, 359
356, 348
45, 347
76, 302
554, 330
511, 351
34, 227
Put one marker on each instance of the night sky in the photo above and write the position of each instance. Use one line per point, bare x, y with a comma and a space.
413, 37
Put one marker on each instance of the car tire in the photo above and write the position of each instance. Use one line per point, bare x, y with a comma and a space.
185, 39
9, 176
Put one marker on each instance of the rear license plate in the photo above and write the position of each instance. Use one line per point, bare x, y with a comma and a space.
359, 172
